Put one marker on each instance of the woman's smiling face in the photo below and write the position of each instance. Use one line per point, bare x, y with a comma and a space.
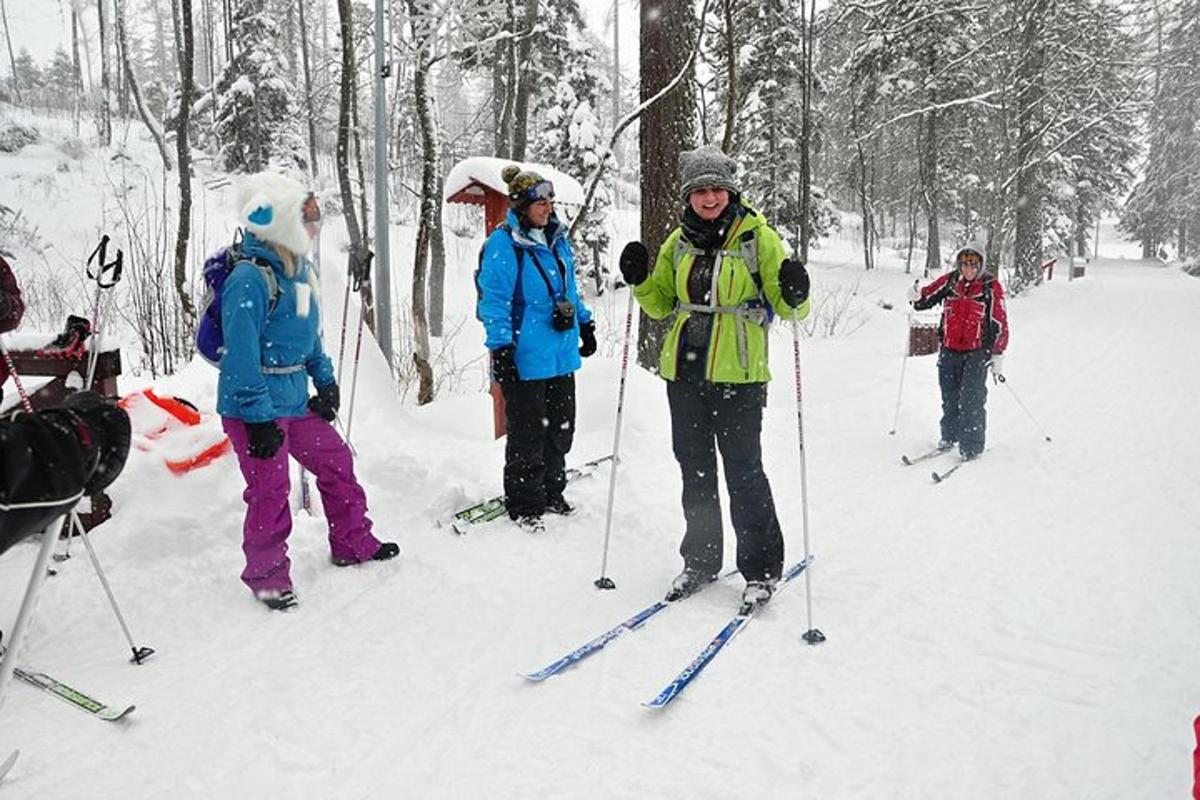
708, 202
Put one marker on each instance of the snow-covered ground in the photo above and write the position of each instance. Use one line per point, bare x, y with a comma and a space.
1025, 630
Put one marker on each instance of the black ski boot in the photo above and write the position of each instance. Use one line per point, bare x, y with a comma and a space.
386, 551
559, 505
756, 595
688, 583
277, 600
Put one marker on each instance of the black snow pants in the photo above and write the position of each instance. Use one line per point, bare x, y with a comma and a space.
705, 416
540, 417
962, 375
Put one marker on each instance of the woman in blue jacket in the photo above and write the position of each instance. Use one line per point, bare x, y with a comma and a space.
534, 320
271, 324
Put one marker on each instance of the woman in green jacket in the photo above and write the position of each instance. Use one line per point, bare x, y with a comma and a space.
724, 274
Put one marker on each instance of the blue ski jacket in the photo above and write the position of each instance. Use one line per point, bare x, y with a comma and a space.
516, 303
272, 347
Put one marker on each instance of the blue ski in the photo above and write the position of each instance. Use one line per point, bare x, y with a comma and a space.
582, 652
734, 626
577, 655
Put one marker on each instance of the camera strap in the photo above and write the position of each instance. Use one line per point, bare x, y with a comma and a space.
562, 272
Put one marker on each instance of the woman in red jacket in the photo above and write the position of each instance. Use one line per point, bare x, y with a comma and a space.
974, 333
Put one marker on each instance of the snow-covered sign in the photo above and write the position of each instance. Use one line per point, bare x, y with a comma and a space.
484, 171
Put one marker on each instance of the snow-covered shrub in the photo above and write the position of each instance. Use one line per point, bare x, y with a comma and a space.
14, 136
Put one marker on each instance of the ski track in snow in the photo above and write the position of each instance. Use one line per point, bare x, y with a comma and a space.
1026, 630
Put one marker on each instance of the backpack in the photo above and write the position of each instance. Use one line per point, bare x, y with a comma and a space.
518, 303
210, 339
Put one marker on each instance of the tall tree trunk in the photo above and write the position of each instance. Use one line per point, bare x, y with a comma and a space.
345, 101
11, 58
930, 180
731, 79
1028, 256
665, 129
309, 111
418, 12
77, 73
183, 153
156, 131
524, 83
105, 121
806, 129
864, 199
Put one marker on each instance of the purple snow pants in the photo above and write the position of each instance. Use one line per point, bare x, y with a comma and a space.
320, 449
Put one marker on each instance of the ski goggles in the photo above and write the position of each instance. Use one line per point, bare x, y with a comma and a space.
310, 215
542, 190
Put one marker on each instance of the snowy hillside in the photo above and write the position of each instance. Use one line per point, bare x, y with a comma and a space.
1024, 630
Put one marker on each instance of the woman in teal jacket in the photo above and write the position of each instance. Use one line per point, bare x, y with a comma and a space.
534, 320
271, 327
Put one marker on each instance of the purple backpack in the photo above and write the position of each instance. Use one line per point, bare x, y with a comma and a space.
210, 340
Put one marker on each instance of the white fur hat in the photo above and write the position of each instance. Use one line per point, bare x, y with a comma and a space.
270, 206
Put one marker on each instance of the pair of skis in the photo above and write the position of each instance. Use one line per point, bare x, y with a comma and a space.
938, 477
495, 508
693, 669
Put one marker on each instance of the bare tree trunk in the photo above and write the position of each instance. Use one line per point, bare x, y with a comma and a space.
105, 121
524, 84
309, 111
183, 152
77, 89
665, 130
362, 178
1028, 246
864, 198
345, 102
418, 12
731, 78
806, 130
11, 58
227, 6
927, 158
156, 131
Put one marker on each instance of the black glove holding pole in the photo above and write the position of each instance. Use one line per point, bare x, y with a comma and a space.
793, 282
635, 263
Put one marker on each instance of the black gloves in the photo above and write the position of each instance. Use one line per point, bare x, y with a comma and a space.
793, 282
635, 263
327, 402
265, 439
587, 333
104, 440
504, 365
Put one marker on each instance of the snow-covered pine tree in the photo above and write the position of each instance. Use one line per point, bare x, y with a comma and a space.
1163, 205
257, 123
565, 124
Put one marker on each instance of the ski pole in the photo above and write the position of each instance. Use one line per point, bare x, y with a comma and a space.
28, 604
140, 654
103, 266
900, 389
16, 376
345, 313
605, 582
1002, 379
812, 636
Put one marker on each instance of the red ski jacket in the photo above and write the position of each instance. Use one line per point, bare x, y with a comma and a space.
973, 314
12, 308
